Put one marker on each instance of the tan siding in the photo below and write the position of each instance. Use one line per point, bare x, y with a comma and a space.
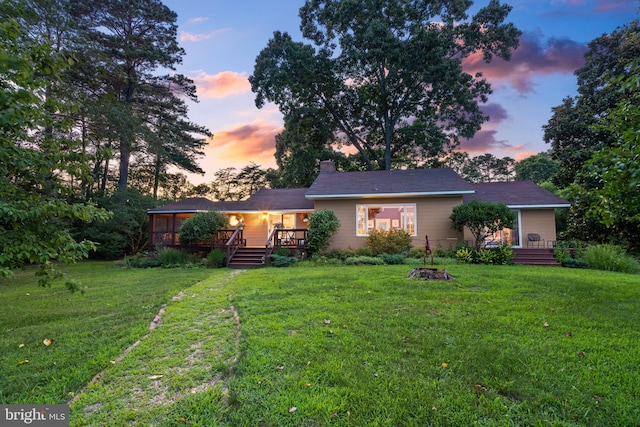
255, 230
541, 221
432, 219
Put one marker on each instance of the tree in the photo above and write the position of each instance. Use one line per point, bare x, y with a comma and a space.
34, 215
617, 168
538, 168
385, 78
491, 168
202, 227
304, 142
572, 130
483, 219
483, 168
322, 226
580, 129
140, 36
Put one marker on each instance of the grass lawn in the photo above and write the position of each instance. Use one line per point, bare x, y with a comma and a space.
314, 346
87, 330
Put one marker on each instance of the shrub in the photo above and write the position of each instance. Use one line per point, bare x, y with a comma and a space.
281, 251
610, 258
482, 219
573, 263
465, 255
202, 227
363, 251
363, 260
171, 257
139, 260
389, 242
282, 261
322, 226
485, 256
393, 259
337, 254
216, 258
502, 255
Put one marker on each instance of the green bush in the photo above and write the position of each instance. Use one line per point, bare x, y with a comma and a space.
465, 255
389, 242
393, 259
139, 260
502, 255
281, 251
363, 260
202, 227
610, 258
171, 257
573, 263
216, 258
317, 260
282, 261
485, 256
322, 226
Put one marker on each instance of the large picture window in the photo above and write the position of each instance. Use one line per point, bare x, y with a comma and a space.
385, 217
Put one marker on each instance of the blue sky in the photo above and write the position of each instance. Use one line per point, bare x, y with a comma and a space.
223, 38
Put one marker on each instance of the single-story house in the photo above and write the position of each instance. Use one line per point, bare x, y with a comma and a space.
418, 201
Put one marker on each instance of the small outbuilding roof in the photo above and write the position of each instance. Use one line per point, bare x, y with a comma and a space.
391, 183
516, 194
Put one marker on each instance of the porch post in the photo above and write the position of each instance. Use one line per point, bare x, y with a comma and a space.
173, 230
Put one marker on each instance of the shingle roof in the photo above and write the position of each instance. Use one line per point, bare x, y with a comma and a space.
280, 199
411, 182
192, 204
515, 194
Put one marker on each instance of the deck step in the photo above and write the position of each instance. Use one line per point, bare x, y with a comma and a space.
535, 256
248, 257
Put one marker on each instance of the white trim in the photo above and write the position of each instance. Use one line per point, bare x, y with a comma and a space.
149, 212
382, 205
519, 231
385, 195
538, 206
232, 211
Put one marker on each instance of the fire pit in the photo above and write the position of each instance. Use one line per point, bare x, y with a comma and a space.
429, 273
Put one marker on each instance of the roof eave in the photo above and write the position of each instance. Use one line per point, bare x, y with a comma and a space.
386, 195
176, 211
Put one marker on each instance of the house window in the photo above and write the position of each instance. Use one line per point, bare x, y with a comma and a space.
385, 217
507, 236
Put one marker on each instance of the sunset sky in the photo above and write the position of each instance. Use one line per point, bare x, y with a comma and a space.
223, 38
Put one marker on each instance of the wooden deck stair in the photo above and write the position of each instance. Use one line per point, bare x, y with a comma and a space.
535, 256
248, 257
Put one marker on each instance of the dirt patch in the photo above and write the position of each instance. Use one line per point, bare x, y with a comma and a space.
430, 274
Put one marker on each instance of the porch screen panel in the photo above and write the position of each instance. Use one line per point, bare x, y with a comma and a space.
515, 235
386, 218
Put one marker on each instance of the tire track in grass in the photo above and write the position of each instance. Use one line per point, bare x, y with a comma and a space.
191, 348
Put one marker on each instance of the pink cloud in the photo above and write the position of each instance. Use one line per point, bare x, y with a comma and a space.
524, 155
496, 113
530, 60
248, 142
604, 6
193, 37
221, 85
484, 141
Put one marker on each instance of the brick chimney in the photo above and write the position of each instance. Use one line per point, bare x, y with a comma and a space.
327, 166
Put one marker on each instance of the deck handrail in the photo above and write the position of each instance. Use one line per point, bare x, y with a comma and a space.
234, 243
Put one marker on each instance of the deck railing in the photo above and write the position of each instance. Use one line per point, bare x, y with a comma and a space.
233, 242
293, 239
